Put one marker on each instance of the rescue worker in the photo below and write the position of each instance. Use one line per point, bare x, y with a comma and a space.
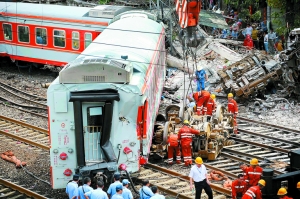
254, 192
173, 146
154, 189
112, 187
126, 192
211, 106
198, 175
244, 168
84, 188
119, 191
145, 192
282, 193
97, 193
298, 185
238, 187
201, 98
72, 187
185, 136
233, 108
201, 77
254, 173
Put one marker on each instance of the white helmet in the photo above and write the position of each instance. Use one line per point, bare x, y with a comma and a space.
199, 67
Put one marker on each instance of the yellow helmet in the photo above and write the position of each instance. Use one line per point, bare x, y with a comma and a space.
281, 192
199, 160
262, 182
230, 95
186, 122
213, 96
254, 161
298, 185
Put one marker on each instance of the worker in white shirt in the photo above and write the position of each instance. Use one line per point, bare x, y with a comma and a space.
198, 174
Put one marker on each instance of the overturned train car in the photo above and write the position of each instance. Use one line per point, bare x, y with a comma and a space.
102, 107
253, 74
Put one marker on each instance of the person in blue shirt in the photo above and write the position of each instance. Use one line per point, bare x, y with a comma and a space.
201, 76
39, 39
72, 187
145, 192
234, 34
126, 192
119, 191
156, 194
98, 193
112, 187
84, 188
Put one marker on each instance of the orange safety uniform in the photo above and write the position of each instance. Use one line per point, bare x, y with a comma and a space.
253, 175
286, 197
253, 193
233, 108
185, 136
173, 146
238, 188
245, 169
201, 101
211, 106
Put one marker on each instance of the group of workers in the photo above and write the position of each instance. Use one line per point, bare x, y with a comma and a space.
205, 105
249, 184
116, 190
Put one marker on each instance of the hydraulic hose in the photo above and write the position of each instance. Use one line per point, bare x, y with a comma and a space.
131, 182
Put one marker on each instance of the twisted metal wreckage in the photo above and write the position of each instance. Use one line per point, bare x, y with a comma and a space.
246, 73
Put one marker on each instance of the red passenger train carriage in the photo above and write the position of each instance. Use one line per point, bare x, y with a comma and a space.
52, 35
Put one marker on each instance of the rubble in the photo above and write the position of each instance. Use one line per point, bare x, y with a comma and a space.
247, 74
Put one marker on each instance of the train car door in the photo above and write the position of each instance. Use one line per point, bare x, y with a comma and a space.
93, 118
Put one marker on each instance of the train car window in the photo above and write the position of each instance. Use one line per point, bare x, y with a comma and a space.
87, 39
41, 36
7, 31
59, 38
75, 40
23, 33
94, 117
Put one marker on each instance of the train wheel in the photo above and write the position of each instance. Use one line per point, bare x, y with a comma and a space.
229, 142
220, 112
207, 129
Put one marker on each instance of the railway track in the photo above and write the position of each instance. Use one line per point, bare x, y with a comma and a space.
269, 143
13, 191
24, 132
15, 98
174, 183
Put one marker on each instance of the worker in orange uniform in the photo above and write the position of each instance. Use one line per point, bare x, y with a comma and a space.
201, 98
173, 146
254, 173
211, 106
185, 136
233, 108
282, 193
254, 192
238, 187
244, 168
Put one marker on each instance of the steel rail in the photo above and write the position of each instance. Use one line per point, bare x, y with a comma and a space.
20, 189
227, 155
13, 88
33, 113
30, 142
45, 131
269, 137
260, 145
222, 170
26, 106
186, 178
270, 125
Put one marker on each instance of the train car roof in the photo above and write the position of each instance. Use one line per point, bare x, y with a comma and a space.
138, 38
98, 13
